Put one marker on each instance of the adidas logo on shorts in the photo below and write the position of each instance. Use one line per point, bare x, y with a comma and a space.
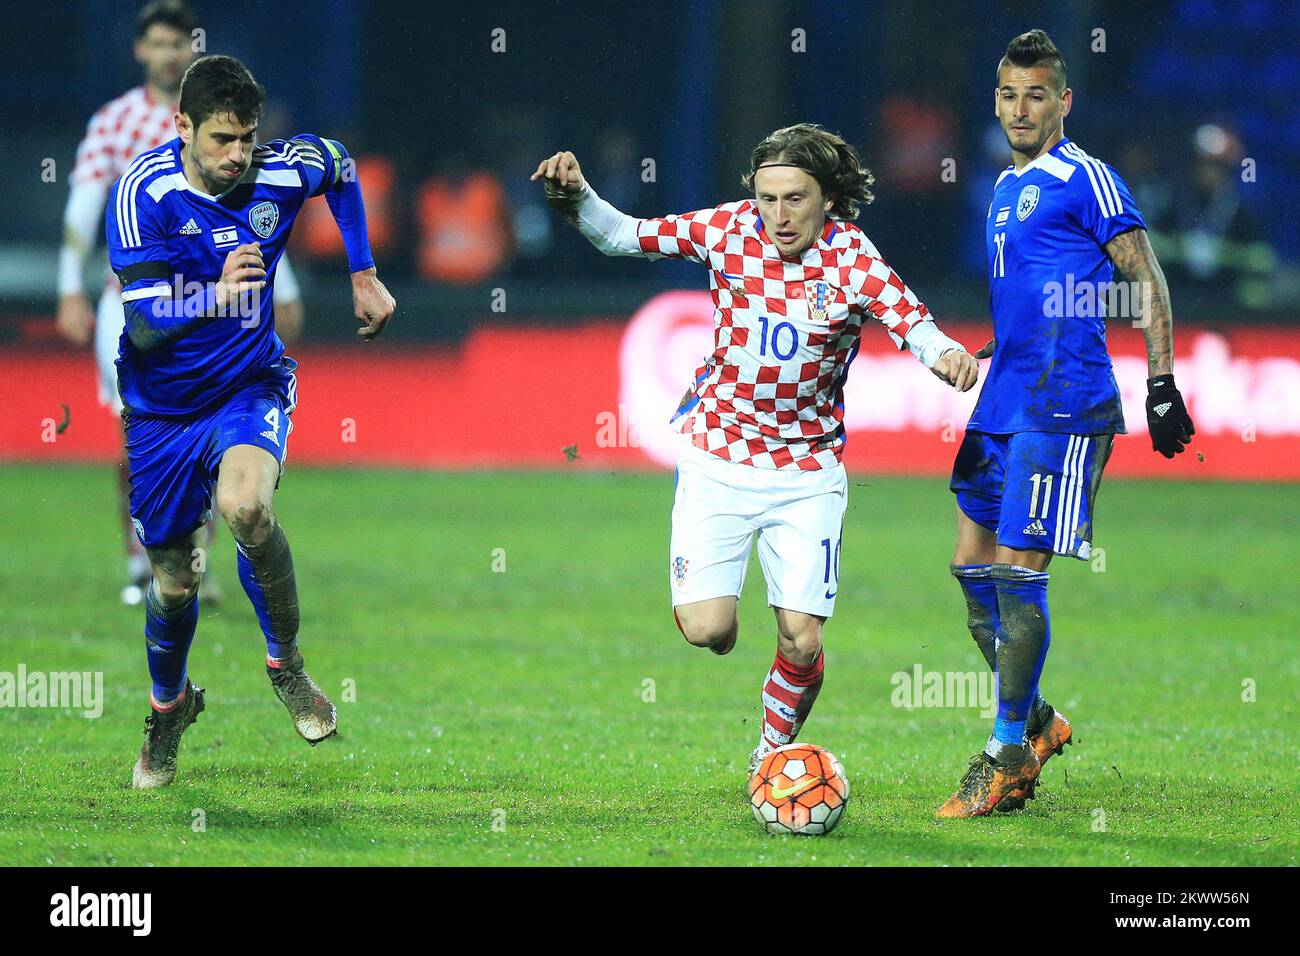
1036, 528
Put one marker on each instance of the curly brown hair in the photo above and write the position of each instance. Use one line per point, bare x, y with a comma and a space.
825, 157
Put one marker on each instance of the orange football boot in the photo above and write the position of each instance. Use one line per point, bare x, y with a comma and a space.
986, 785
1052, 740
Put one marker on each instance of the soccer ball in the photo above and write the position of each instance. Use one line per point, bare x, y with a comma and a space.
799, 789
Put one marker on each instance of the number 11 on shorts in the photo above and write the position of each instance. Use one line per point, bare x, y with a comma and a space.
1047, 495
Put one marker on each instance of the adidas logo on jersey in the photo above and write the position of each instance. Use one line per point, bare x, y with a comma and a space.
191, 228
1036, 528
1163, 407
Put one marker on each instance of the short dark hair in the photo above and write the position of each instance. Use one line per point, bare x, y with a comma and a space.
825, 157
169, 13
220, 84
1035, 48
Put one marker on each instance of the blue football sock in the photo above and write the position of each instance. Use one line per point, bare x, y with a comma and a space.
983, 620
1022, 645
168, 633
266, 572
981, 608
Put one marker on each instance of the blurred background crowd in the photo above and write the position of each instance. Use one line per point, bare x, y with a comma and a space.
449, 109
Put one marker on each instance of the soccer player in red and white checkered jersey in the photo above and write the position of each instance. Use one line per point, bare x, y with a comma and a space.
793, 282
122, 129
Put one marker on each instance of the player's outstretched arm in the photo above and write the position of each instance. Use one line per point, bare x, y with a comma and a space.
372, 304
909, 324
612, 232
1170, 426
943, 356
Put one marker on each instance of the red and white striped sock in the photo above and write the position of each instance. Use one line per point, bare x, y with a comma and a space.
788, 696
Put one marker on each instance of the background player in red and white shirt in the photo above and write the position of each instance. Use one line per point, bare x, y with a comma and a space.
122, 129
793, 284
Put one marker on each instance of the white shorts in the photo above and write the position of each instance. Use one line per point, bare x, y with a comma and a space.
798, 517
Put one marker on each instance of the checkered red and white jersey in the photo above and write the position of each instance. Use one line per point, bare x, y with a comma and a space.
120, 131
786, 330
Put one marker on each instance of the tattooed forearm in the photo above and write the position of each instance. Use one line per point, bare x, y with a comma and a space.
147, 336
1131, 252
154, 322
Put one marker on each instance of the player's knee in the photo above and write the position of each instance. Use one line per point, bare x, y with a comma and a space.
801, 640
174, 589
707, 632
247, 514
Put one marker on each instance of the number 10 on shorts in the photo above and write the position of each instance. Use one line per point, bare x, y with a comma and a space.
832, 565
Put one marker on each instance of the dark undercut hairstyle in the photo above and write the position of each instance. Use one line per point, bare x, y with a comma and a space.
1035, 48
221, 84
822, 155
169, 13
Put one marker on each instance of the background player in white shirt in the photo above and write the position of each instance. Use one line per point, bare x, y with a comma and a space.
138, 120
793, 282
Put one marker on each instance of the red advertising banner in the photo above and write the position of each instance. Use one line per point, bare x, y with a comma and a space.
519, 396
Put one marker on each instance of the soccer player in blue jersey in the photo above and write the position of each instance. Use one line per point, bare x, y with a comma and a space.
195, 230
1026, 475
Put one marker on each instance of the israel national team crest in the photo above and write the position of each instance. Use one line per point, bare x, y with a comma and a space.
817, 294
1027, 202
263, 218
679, 570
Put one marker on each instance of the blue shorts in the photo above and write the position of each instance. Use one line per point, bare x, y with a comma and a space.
174, 461
1035, 489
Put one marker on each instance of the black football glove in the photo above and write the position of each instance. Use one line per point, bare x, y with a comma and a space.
1170, 425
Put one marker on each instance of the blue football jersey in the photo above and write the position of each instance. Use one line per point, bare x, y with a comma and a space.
1047, 230
167, 238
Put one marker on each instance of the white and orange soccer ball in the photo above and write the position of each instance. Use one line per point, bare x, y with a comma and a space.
800, 789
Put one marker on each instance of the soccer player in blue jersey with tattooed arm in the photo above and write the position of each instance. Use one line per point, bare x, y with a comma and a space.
195, 230
1027, 473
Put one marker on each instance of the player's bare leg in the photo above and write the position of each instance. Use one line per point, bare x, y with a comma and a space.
712, 623
171, 613
793, 683
245, 487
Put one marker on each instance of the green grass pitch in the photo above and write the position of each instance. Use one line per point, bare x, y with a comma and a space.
500, 717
